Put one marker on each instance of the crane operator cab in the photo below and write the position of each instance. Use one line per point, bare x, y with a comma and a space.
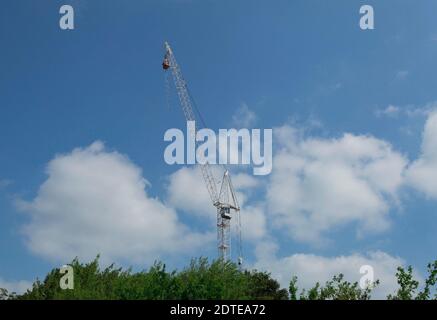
225, 212
165, 63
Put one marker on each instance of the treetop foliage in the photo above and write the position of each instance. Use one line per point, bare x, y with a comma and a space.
202, 279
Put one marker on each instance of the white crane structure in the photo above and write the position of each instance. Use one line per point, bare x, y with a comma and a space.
224, 198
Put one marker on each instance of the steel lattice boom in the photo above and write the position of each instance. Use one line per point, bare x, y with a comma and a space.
225, 201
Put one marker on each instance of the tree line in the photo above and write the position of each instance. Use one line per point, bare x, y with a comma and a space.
217, 280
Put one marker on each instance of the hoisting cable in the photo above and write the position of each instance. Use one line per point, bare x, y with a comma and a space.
167, 90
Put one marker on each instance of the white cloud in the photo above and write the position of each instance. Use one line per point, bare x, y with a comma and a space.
402, 74
18, 287
390, 111
310, 268
187, 191
245, 181
95, 201
424, 111
422, 174
320, 184
244, 117
410, 111
253, 222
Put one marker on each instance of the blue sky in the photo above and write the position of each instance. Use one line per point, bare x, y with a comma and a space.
301, 64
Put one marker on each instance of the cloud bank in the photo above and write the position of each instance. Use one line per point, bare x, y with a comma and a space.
310, 268
95, 201
319, 184
18, 287
422, 174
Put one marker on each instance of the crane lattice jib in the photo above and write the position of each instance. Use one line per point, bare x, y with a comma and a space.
188, 111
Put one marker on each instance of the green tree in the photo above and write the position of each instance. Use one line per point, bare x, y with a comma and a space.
430, 282
4, 295
293, 289
335, 289
408, 284
263, 287
200, 280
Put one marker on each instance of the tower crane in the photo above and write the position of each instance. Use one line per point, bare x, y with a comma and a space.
224, 198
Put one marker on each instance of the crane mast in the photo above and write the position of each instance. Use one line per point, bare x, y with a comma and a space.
224, 200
